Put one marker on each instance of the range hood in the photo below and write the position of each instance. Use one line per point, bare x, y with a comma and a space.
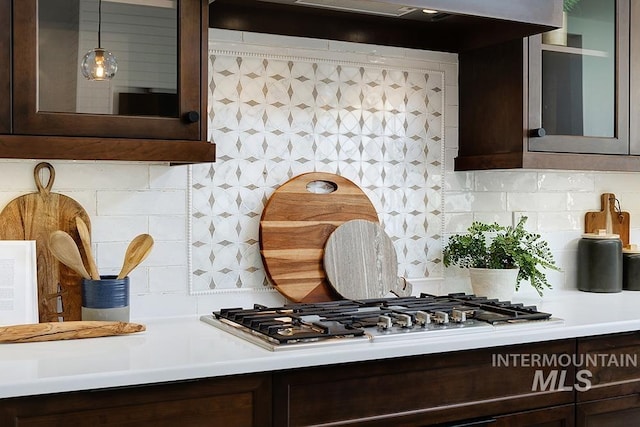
450, 25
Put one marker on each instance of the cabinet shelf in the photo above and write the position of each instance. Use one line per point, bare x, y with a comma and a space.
575, 50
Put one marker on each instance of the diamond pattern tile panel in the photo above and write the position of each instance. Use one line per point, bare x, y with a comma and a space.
273, 118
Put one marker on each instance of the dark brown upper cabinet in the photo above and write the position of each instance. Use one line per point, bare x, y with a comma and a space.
557, 101
155, 108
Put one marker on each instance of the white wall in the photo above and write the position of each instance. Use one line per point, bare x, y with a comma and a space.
125, 199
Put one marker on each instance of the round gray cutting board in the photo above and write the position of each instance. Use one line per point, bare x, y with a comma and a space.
360, 262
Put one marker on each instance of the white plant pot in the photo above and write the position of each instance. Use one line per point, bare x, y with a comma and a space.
494, 283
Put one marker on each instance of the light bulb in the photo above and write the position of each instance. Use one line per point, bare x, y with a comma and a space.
99, 64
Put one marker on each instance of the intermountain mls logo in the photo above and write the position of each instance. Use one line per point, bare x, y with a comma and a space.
557, 367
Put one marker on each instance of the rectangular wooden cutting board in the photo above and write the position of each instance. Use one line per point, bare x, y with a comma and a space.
33, 217
619, 221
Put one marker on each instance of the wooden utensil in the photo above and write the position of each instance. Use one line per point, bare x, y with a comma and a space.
294, 227
64, 248
610, 218
137, 251
85, 237
53, 331
34, 217
361, 262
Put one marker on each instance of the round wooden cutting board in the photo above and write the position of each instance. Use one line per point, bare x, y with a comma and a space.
34, 217
296, 222
361, 262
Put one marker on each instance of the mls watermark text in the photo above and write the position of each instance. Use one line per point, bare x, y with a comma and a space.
552, 370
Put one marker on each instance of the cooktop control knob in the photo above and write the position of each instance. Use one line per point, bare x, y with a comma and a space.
384, 322
403, 320
440, 317
422, 318
458, 316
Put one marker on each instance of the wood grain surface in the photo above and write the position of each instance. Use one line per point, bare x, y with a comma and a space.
361, 262
295, 225
34, 217
620, 220
54, 331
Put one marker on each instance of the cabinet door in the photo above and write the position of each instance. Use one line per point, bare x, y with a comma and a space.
612, 363
579, 82
33, 116
232, 401
618, 412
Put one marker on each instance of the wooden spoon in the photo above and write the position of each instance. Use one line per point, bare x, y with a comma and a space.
85, 237
138, 250
64, 248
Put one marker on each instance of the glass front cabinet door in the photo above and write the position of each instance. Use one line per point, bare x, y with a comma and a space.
579, 81
154, 106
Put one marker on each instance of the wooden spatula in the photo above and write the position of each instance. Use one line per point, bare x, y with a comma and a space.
137, 251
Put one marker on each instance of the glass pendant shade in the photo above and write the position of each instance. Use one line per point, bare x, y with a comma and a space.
99, 64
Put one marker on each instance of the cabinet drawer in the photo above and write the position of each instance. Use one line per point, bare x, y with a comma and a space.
420, 390
612, 361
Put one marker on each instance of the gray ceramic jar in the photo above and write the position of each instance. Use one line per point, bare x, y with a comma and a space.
600, 263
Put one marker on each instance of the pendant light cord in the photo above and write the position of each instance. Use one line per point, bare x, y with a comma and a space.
99, 21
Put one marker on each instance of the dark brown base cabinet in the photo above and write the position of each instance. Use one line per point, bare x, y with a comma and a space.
499, 387
232, 401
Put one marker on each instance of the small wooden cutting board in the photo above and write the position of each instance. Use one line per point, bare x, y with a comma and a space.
619, 220
33, 217
295, 225
361, 262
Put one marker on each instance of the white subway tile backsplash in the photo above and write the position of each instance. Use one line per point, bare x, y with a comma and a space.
17, 176
451, 116
163, 178
583, 201
457, 222
519, 181
171, 202
451, 137
167, 253
612, 182
565, 181
168, 279
503, 218
163, 227
537, 201
126, 199
93, 176
474, 202
560, 221
117, 228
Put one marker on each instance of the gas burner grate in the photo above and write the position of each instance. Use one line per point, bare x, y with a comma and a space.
309, 322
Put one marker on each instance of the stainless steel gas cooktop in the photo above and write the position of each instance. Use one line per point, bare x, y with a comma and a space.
347, 321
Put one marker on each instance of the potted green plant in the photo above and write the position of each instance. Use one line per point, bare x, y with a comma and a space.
501, 250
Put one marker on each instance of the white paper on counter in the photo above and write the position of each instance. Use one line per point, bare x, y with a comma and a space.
18, 282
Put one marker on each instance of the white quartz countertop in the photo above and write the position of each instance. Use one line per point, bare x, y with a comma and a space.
187, 348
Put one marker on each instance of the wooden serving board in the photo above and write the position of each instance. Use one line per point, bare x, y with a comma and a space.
295, 225
620, 221
55, 331
33, 217
361, 262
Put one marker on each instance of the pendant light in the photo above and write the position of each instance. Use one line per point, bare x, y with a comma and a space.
99, 64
